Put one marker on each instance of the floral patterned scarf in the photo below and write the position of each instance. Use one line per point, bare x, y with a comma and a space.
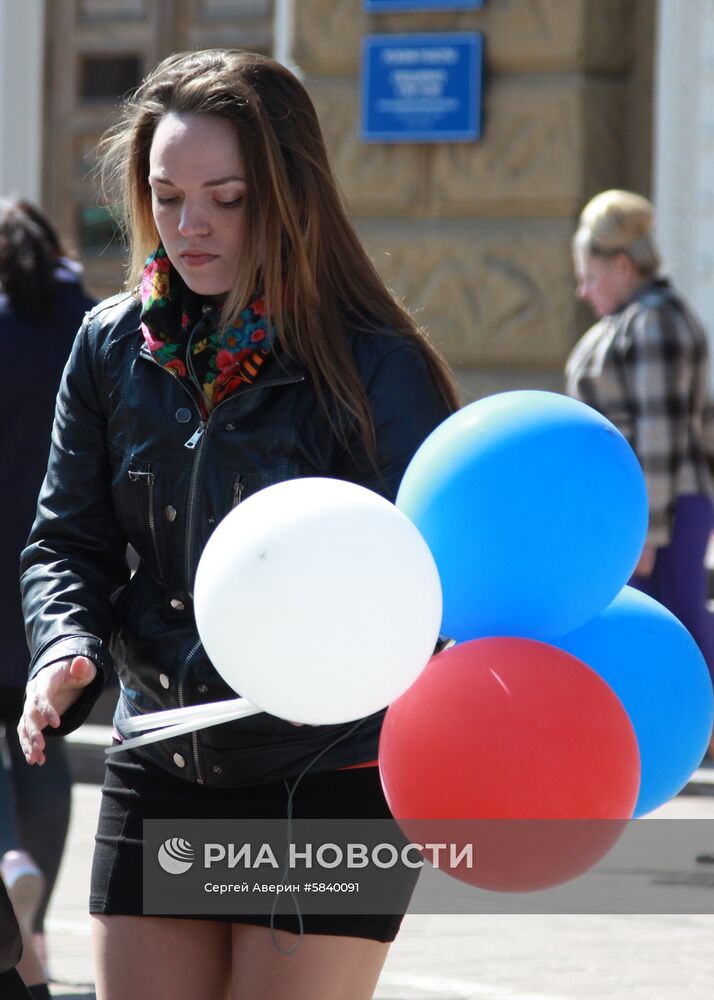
185, 335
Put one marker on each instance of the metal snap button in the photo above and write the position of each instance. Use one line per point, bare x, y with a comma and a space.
202, 689
230, 427
217, 769
183, 415
170, 513
177, 604
164, 681
179, 761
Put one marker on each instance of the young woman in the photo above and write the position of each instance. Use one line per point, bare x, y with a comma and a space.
261, 347
645, 366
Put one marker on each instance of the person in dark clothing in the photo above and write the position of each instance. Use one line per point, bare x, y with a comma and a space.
42, 301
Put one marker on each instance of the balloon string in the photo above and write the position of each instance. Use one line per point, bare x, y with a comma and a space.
288, 836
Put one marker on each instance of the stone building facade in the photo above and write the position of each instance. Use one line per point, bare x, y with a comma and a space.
473, 236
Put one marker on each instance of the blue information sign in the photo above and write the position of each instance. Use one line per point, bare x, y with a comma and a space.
422, 87
387, 6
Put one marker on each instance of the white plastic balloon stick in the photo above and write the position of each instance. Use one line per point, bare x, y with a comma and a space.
188, 726
171, 716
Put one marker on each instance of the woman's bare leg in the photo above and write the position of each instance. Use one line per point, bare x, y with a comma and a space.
161, 958
324, 966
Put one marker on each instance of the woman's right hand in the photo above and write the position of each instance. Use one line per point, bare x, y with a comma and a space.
49, 694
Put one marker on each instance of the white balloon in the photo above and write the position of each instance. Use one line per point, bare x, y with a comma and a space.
318, 601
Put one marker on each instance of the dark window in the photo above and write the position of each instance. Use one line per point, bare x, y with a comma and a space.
107, 78
97, 231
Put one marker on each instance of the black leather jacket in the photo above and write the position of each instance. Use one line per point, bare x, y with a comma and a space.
131, 461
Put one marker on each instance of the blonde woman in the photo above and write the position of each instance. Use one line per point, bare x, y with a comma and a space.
645, 366
262, 346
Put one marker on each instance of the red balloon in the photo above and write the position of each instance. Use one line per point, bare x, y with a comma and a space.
518, 732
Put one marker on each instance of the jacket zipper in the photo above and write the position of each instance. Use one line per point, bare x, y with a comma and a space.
149, 478
196, 441
238, 487
182, 703
202, 437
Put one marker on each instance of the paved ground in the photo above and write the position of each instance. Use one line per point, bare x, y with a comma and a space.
565, 957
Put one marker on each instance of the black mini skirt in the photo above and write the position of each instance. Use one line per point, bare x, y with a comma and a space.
135, 790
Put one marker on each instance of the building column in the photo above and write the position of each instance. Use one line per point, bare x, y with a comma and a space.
684, 149
284, 34
21, 97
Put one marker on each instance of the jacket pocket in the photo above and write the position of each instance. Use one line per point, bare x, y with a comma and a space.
238, 490
143, 493
245, 484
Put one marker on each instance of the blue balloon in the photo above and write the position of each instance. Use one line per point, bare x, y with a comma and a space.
535, 510
656, 669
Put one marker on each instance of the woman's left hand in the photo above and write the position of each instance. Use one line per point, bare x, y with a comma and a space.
645, 566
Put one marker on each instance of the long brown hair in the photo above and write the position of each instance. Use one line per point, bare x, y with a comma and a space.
300, 248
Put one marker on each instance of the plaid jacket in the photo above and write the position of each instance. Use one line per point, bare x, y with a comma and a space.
646, 368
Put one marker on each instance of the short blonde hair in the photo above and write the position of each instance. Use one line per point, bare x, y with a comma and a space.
619, 222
